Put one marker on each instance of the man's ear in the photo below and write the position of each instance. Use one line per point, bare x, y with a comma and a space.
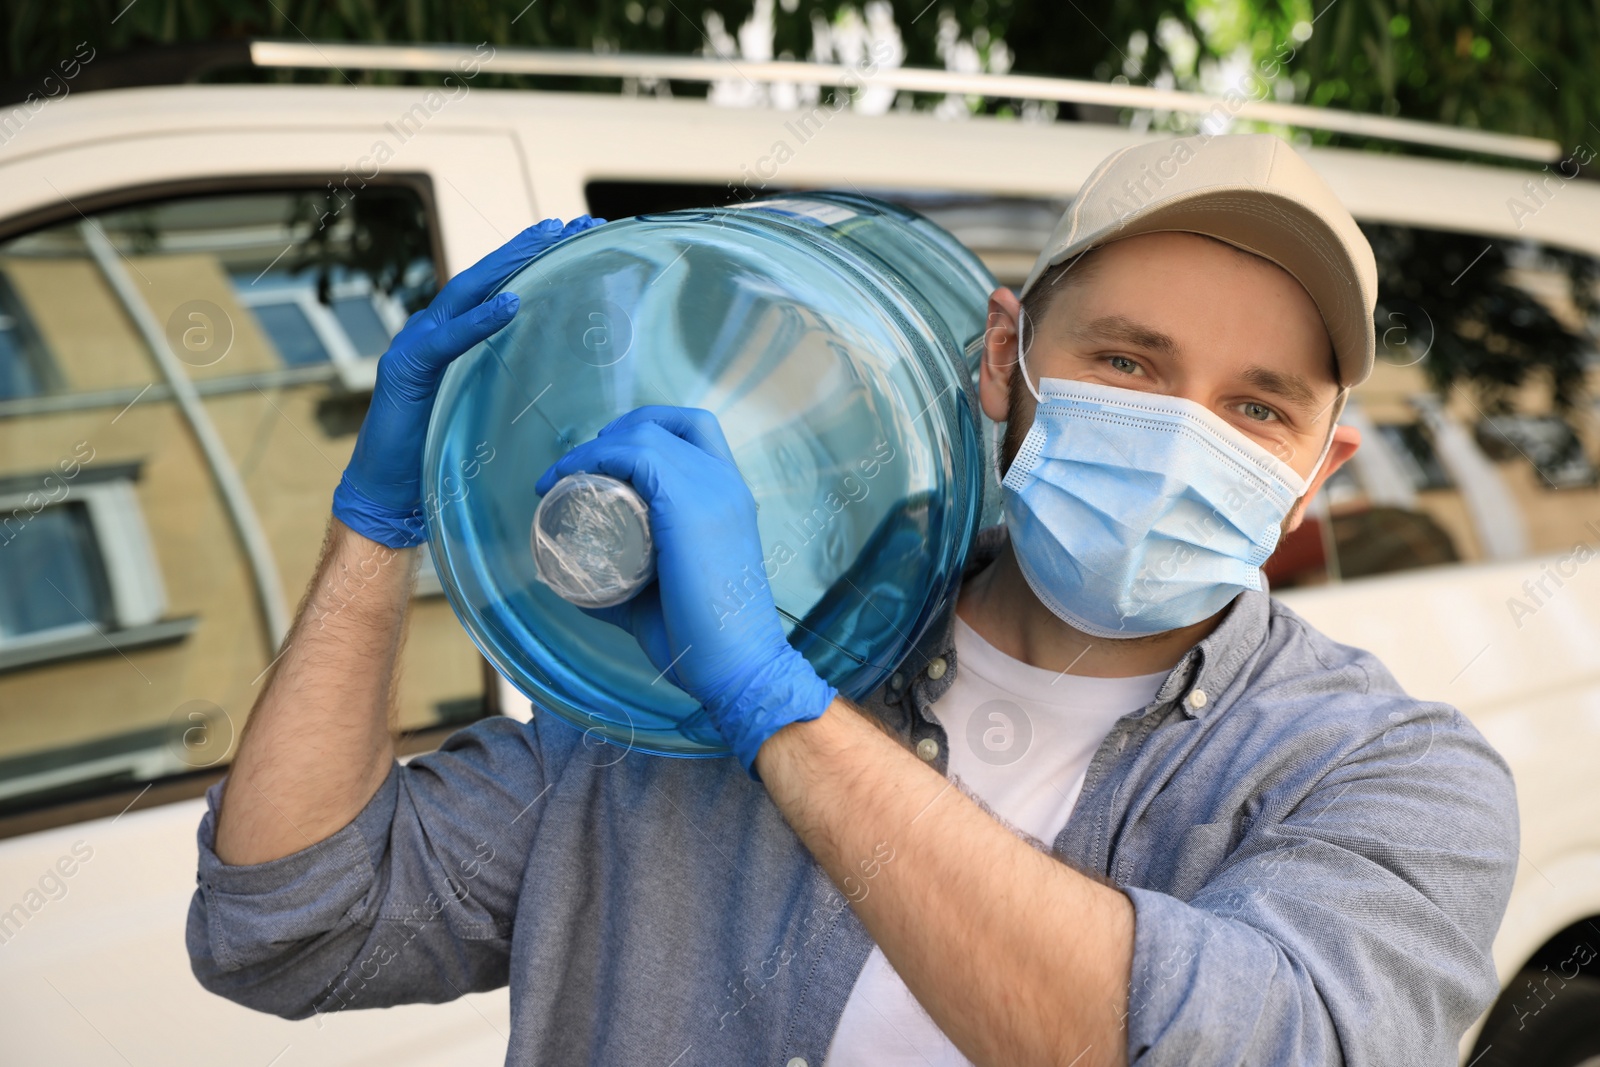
1346, 439
999, 354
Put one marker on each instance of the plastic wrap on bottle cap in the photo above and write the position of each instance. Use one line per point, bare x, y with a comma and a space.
591, 541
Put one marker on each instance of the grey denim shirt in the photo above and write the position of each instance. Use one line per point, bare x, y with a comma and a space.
1317, 862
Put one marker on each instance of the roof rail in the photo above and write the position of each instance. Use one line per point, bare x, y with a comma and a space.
448, 57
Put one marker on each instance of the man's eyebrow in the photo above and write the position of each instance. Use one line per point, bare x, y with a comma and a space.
1123, 329
1289, 386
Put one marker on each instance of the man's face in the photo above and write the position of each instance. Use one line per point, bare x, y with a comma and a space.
1181, 315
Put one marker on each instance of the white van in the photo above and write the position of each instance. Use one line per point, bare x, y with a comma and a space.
195, 283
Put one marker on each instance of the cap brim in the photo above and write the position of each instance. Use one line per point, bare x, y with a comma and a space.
1282, 230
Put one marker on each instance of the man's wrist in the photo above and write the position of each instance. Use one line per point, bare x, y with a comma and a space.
786, 689
392, 527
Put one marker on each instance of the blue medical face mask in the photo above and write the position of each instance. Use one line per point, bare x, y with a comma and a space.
1133, 513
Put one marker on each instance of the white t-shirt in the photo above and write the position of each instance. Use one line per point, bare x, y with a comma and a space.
1021, 739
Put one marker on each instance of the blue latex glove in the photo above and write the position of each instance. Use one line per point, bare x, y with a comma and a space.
380, 495
708, 620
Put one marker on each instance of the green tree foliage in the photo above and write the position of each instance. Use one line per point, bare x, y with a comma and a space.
1492, 64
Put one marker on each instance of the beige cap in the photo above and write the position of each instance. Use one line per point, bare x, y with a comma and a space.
1250, 190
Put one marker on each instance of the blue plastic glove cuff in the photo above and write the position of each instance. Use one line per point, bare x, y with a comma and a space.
783, 691
384, 525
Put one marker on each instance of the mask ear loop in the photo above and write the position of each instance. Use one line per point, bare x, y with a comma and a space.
1022, 354
996, 434
996, 443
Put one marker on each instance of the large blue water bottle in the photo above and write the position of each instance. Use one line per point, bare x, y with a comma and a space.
833, 337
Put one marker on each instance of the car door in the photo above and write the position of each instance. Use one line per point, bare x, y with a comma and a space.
189, 322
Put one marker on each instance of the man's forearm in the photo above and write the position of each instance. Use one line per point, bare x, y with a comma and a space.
318, 742
1017, 957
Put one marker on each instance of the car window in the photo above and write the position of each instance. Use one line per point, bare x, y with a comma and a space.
136, 608
1478, 435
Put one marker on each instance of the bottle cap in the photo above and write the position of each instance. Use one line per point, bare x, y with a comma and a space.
591, 540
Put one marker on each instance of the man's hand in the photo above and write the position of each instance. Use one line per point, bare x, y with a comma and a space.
380, 495
708, 620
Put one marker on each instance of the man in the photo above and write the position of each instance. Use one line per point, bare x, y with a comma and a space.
1118, 807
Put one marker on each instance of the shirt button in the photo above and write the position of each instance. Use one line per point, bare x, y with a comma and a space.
928, 749
1197, 698
797, 1061
936, 668
896, 680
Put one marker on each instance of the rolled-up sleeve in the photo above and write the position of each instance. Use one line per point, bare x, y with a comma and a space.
1354, 931
412, 901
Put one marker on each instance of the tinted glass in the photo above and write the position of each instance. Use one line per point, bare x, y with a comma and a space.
292, 334
260, 295
362, 325
51, 575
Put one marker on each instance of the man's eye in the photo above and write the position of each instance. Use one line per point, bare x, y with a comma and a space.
1258, 412
1124, 364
